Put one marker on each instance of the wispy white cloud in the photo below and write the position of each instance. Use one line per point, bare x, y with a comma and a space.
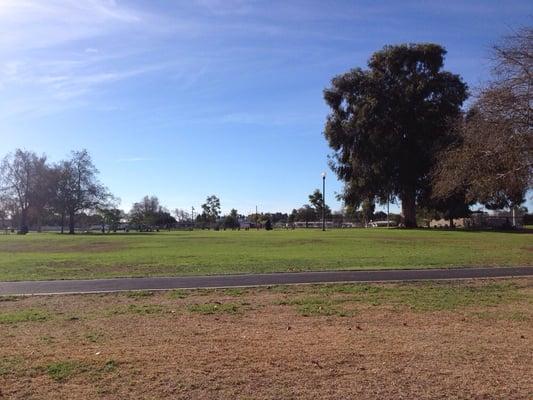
31, 24
39, 88
56, 53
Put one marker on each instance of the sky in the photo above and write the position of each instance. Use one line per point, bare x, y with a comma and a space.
184, 99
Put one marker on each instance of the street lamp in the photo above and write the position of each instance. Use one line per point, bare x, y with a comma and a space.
323, 201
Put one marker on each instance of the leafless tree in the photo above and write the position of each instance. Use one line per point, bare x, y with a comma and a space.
78, 187
510, 93
21, 174
492, 161
182, 215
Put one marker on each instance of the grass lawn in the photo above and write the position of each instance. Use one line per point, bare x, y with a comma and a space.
53, 256
454, 340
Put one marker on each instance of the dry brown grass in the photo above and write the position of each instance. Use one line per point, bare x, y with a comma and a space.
255, 343
45, 247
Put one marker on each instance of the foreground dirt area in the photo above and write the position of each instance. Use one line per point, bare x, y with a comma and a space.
466, 340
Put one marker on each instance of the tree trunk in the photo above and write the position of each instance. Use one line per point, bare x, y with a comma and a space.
451, 223
71, 223
62, 222
409, 208
23, 226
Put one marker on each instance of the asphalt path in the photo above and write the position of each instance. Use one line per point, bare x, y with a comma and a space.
244, 280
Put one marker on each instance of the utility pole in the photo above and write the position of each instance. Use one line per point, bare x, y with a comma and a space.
256, 219
192, 217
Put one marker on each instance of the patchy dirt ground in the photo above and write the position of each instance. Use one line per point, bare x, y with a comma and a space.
467, 340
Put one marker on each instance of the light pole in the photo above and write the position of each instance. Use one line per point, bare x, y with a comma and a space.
323, 201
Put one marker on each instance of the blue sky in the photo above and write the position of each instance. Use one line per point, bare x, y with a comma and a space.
183, 99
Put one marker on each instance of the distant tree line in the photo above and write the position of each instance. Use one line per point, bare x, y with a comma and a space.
68, 194
398, 131
34, 191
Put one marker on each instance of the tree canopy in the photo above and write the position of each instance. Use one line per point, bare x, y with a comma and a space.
316, 199
231, 221
149, 214
388, 122
211, 209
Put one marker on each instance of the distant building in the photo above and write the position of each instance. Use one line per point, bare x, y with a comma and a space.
245, 224
351, 225
380, 224
495, 219
445, 223
312, 224
484, 220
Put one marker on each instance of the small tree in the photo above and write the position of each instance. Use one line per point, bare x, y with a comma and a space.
148, 214
232, 220
293, 216
110, 217
211, 209
317, 202
164, 219
182, 216
306, 214
268, 225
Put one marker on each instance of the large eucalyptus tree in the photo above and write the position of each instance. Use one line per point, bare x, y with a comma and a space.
388, 122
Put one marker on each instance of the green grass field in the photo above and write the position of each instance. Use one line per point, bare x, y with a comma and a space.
53, 256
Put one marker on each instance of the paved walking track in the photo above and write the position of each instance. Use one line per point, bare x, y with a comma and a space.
225, 281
